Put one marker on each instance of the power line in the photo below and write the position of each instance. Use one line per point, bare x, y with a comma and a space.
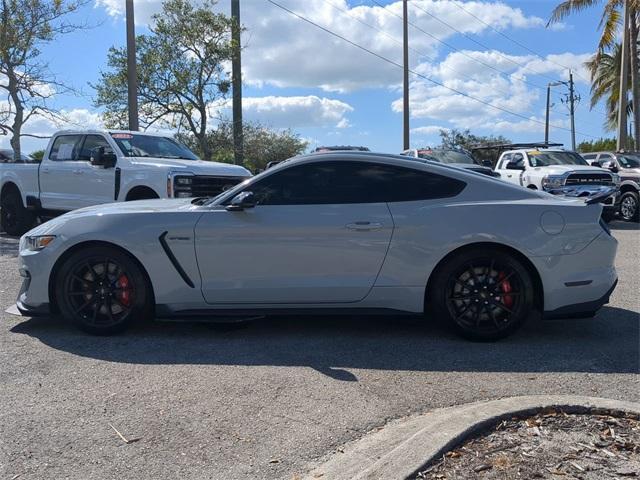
451, 47
521, 45
435, 82
477, 42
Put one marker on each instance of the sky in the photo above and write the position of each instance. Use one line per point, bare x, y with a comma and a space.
490, 60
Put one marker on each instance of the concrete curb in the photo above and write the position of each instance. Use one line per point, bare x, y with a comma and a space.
401, 448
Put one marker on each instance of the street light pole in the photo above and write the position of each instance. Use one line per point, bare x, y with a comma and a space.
405, 58
572, 110
132, 80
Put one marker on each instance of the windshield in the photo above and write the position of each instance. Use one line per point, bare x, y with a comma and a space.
544, 159
135, 145
447, 156
627, 161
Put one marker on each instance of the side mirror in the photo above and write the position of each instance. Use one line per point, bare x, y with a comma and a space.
487, 163
242, 201
515, 166
610, 165
596, 163
101, 159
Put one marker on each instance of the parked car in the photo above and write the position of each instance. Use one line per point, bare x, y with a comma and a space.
557, 171
7, 156
83, 168
342, 232
627, 166
456, 158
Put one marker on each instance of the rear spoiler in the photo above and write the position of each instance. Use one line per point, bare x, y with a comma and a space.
591, 194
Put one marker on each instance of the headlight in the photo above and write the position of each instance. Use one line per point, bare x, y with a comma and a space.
184, 181
551, 182
36, 243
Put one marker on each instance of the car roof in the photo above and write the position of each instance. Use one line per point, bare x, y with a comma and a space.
79, 131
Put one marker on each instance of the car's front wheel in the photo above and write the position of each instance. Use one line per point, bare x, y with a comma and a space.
102, 290
484, 294
629, 206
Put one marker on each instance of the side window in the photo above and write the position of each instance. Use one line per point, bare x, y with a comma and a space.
344, 182
518, 159
589, 156
91, 142
506, 158
65, 147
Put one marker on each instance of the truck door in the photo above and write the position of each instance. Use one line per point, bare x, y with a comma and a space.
59, 182
96, 184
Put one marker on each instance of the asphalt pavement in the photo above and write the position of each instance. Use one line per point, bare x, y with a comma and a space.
268, 400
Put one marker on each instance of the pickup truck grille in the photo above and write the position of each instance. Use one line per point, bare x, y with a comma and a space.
203, 186
589, 179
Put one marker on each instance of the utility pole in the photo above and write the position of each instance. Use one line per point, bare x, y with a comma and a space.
624, 73
236, 81
405, 58
132, 80
572, 111
546, 123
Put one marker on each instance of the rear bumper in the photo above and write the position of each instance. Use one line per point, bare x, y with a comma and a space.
581, 310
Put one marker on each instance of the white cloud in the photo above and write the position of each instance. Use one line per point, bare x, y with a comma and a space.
428, 130
44, 127
462, 79
284, 51
295, 111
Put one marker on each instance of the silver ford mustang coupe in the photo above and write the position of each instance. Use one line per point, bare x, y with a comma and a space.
328, 233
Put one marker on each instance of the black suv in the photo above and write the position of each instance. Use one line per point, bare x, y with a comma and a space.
627, 166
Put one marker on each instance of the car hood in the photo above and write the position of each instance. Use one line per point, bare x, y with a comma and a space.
197, 167
120, 208
560, 169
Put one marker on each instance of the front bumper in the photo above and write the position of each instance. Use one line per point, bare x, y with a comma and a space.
24, 308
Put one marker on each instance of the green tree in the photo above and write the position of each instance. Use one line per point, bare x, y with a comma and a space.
261, 144
25, 27
609, 23
37, 155
181, 71
466, 140
600, 145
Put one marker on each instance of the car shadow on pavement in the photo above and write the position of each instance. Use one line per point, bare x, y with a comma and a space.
619, 225
608, 343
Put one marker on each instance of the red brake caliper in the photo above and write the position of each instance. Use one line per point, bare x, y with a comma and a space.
505, 286
125, 294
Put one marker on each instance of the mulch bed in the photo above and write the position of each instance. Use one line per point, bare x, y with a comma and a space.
551, 445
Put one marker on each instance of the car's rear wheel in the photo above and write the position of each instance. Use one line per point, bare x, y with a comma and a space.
484, 294
102, 290
15, 219
629, 206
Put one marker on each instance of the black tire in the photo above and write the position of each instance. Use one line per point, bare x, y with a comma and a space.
484, 294
630, 206
102, 304
141, 194
15, 219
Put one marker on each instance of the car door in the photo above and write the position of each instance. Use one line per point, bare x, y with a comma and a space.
96, 184
60, 186
514, 175
317, 235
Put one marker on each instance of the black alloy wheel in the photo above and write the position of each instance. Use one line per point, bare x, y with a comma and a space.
629, 210
102, 290
484, 295
15, 219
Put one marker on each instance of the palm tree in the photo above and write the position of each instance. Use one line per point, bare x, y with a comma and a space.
609, 23
605, 82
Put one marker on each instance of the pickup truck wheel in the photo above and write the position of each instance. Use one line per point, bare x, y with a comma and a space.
483, 294
15, 219
102, 291
629, 206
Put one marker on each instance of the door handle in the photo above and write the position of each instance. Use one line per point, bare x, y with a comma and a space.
364, 226
78, 172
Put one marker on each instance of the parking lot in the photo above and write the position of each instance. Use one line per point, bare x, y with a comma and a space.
267, 400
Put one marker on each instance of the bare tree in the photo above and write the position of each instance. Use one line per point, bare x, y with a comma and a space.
25, 78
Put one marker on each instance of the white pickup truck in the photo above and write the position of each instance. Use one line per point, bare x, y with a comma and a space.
556, 171
83, 168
